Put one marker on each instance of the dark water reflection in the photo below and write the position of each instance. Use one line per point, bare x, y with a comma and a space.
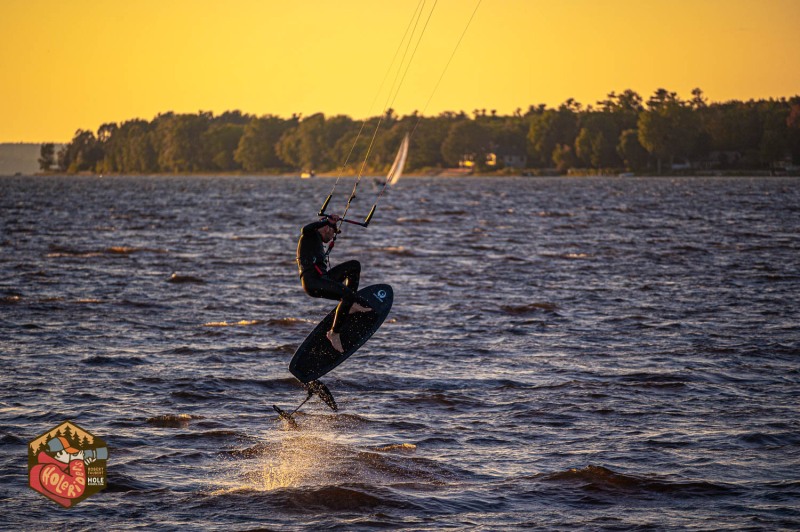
594, 353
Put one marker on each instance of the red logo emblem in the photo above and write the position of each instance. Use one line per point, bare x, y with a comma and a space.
67, 464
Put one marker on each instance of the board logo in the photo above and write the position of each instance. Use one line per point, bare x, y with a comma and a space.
381, 295
67, 464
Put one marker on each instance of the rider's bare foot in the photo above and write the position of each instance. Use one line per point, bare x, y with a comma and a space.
359, 308
336, 342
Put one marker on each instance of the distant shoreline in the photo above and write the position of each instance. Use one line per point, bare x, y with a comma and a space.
445, 174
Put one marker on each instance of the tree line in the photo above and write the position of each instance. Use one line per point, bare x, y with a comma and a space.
621, 132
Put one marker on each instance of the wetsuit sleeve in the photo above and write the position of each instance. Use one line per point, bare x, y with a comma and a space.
313, 226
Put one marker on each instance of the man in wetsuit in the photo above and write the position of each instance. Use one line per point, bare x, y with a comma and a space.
339, 283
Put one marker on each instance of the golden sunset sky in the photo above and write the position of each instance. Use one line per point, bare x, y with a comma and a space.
76, 64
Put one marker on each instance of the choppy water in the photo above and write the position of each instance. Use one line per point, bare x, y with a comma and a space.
562, 353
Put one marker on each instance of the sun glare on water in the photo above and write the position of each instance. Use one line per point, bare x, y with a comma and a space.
289, 463
297, 460
326, 451
288, 459
275, 476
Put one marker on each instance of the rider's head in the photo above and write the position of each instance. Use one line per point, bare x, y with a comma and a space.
327, 231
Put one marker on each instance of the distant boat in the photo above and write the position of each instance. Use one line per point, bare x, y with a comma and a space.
306, 175
399, 162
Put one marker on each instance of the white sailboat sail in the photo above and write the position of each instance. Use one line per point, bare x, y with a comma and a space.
399, 162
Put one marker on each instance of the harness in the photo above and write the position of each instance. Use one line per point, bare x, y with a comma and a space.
304, 270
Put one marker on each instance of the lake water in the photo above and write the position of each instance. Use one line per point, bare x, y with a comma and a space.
596, 353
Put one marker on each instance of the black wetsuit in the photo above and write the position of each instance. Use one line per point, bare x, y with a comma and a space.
339, 283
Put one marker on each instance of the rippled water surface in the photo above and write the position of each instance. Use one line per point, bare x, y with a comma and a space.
596, 353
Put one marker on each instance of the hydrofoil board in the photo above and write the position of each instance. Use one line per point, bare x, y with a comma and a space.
316, 356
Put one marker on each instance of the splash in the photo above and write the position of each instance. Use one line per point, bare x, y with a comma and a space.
321, 453
293, 466
288, 463
276, 476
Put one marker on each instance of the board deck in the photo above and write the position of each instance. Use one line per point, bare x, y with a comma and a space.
316, 356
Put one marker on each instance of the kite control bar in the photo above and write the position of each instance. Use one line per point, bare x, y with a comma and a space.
365, 223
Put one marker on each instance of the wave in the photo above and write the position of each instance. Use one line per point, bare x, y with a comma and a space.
437, 440
10, 299
184, 279
391, 468
405, 220
567, 256
601, 479
343, 421
330, 421
485, 247
440, 399
48, 303
57, 251
142, 304
180, 351
254, 451
10, 439
127, 250
654, 380
554, 214
122, 483
240, 323
211, 435
283, 349
335, 498
409, 426
399, 251
350, 497
407, 447
123, 361
172, 421
287, 322
191, 396
513, 258
770, 440
236, 383
307, 457
529, 308
216, 387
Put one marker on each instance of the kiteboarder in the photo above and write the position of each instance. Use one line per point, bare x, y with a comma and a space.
339, 283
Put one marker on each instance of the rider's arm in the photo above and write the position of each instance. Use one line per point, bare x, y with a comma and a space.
313, 226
